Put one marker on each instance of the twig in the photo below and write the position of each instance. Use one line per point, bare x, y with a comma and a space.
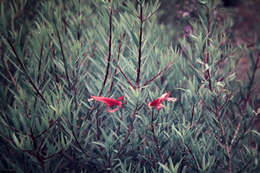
45, 71
155, 139
75, 89
236, 132
192, 155
251, 83
40, 64
26, 72
63, 57
118, 56
192, 115
226, 146
126, 77
158, 74
150, 15
46, 130
140, 46
207, 74
130, 128
12, 77
109, 50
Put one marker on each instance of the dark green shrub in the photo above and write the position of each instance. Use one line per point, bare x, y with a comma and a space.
59, 86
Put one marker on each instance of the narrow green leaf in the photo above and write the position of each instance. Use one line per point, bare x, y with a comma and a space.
16, 141
100, 144
164, 167
255, 132
134, 38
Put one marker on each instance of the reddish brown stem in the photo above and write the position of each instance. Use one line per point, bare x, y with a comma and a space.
55, 67
155, 139
47, 129
40, 64
75, 89
226, 145
11, 76
251, 83
128, 81
63, 58
192, 115
26, 72
207, 75
158, 74
150, 15
130, 129
140, 46
109, 50
192, 155
118, 56
78, 143
45, 71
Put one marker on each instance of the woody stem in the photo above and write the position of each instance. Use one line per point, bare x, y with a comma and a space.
140, 46
155, 139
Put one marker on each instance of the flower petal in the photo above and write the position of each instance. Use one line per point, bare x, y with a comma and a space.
154, 103
112, 110
120, 98
108, 101
172, 99
165, 95
160, 106
158, 102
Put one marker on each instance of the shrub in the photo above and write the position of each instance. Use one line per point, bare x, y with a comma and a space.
97, 87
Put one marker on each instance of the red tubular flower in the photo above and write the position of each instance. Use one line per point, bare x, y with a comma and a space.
158, 102
109, 102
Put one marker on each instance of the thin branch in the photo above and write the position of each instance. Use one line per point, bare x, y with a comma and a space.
192, 115
126, 77
63, 57
109, 50
55, 67
40, 64
251, 82
78, 143
47, 129
158, 74
75, 89
192, 155
130, 128
118, 56
45, 71
12, 128
140, 46
226, 146
26, 72
207, 74
53, 155
236, 132
150, 15
155, 139
10, 74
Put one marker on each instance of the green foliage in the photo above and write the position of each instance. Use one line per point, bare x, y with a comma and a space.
72, 50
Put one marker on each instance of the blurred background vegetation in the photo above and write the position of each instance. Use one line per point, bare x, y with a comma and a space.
176, 14
245, 16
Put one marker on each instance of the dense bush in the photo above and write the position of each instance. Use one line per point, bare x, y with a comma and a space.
98, 87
